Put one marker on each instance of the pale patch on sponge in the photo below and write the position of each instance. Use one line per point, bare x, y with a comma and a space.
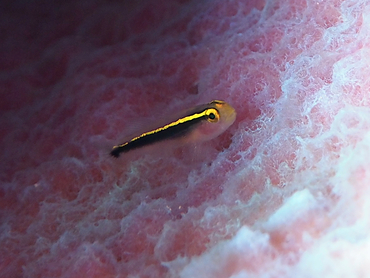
228, 257
294, 208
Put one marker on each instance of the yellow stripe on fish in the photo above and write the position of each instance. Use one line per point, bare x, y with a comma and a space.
201, 123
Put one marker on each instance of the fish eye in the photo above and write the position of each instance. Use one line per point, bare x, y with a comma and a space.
212, 115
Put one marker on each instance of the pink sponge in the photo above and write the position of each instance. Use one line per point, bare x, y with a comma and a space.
283, 192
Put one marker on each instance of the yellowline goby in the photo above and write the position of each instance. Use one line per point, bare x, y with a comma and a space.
201, 123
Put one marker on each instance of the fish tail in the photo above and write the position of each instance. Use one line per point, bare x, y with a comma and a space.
115, 152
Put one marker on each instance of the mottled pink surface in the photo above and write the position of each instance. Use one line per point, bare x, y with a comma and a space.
283, 193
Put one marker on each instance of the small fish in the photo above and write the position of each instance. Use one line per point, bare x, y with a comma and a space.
201, 123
